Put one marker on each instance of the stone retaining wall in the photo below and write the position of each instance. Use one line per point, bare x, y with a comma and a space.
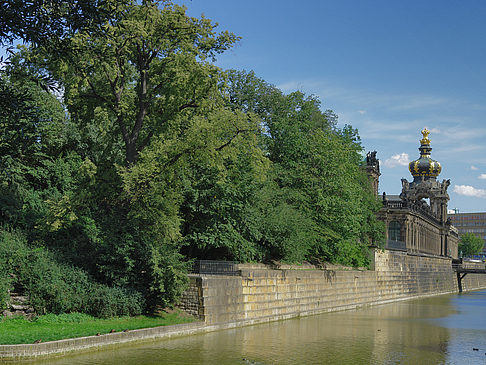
263, 294
191, 299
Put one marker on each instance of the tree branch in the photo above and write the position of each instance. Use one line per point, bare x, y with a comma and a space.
146, 140
238, 131
188, 105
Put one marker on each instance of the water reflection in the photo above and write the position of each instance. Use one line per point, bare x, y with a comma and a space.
438, 330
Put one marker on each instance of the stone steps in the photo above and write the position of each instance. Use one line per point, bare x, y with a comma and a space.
19, 306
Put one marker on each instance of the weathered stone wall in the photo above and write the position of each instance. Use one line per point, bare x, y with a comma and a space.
191, 299
262, 294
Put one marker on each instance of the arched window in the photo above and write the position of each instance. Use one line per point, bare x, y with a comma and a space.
394, 229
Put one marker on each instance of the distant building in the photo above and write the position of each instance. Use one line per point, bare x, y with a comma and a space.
417, 220
471, 223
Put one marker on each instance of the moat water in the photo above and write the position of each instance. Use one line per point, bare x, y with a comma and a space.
449, 329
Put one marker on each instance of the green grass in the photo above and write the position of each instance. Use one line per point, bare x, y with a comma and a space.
56, 327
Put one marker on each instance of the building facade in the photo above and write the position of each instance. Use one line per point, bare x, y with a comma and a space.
417, 220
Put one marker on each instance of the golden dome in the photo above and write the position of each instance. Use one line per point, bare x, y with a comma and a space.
425, 166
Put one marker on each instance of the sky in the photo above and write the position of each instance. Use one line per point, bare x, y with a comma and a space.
388, 68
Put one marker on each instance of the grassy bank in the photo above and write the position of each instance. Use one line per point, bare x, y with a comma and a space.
56, 327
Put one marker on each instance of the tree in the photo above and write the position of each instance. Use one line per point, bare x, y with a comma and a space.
317, 169
213, 173
136, 72
32, 133
470, 244
40, 21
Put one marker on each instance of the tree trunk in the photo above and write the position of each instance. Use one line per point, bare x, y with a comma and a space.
131, 153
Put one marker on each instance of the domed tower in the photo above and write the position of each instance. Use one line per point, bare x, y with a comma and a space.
425, 185
424, 168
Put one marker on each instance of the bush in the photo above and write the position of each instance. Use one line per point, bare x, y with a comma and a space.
5, 284
470, 244
106, 302
59, 288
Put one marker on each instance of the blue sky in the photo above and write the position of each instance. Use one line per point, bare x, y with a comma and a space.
388, 68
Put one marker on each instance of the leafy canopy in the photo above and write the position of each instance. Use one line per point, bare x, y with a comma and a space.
133, 74
470, 244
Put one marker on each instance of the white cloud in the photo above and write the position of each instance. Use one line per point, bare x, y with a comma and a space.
397, 160
482, 176
362, 112
434, 130
474, 168
464, 134
468, 190
358, 96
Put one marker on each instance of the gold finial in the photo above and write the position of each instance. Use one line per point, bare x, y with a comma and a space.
425, 133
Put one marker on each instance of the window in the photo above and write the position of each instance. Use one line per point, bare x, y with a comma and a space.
394, 229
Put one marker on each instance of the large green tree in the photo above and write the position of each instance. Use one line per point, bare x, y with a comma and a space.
134, 73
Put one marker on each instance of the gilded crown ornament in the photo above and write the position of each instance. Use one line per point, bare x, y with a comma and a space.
425, 133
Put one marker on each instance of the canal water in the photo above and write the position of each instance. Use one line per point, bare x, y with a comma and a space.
449, 329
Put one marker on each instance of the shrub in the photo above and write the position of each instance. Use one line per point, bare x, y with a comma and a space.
5, 284
108, 302
59, 288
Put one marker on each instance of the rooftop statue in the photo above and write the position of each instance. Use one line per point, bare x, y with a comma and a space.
371, 159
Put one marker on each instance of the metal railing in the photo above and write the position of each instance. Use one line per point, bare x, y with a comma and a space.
466, 265
210, 267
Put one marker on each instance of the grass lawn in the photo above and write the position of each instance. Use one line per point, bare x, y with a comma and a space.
56, 327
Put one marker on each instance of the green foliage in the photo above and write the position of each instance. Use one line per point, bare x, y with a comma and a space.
317, 167
59, 288
287, 233
132, 75
39, 20
220, 188
5, 285
151, 157
470, 244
